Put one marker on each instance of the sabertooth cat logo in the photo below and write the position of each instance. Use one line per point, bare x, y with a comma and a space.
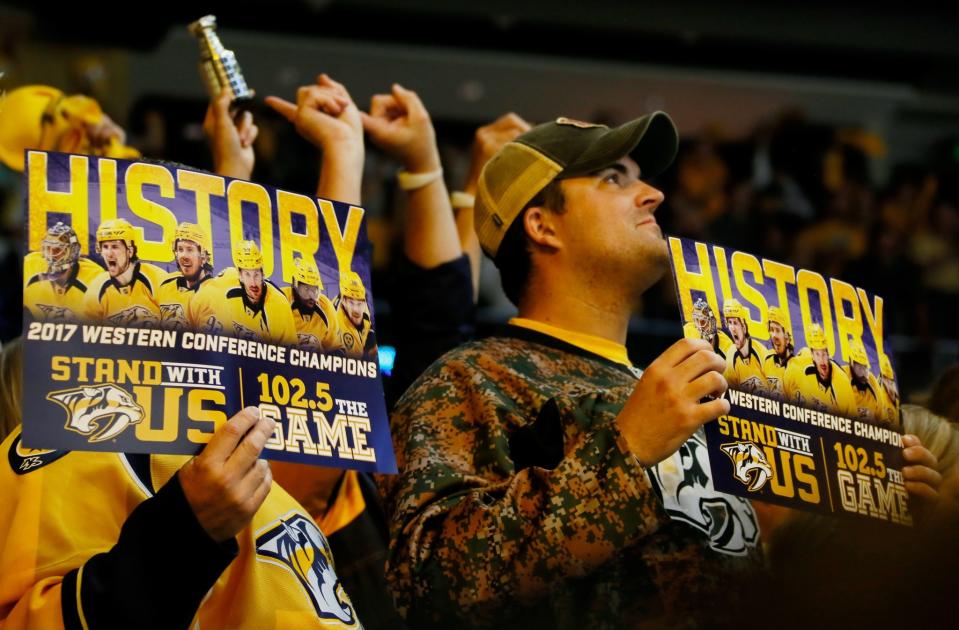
101, 412
749, 464
298, 545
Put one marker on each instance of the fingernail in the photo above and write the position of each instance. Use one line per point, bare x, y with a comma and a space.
253, 411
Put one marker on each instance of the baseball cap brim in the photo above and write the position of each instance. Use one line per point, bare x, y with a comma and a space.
652, 141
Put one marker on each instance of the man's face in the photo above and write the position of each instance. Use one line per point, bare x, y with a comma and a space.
307, 293
737, 329
354, 309
252, 282
117, 257
821, 358
778, 337
189, 259
859, 372
608, 229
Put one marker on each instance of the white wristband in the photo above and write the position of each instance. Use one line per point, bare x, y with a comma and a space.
460, 199
412, 181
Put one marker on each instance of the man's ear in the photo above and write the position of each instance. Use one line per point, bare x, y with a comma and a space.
540, 226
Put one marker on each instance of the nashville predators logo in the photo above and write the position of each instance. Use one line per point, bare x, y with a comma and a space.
242, 332
298, 545
213, 325
306, 340
133, 316
688, 495
172, 316
349, 341
55, 313
749, 464
101, 412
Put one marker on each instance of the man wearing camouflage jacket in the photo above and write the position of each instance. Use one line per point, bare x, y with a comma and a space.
544, 481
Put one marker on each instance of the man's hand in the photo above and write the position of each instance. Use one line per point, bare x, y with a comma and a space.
665, 408
399, 124
325, 115
230, 141
489, 139
227, 482
919, 470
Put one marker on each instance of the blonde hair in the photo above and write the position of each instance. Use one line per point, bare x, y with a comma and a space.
936, 433
11, 381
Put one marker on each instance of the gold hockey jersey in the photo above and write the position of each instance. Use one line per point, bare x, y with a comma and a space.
803, 386
222, 307
316, 328
868, 404
108, 540
354, 341
746, 373
134, 304
174, 299
49, 301
774, 369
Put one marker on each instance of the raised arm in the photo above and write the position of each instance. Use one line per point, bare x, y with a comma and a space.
325, 115
399, 124
231, 141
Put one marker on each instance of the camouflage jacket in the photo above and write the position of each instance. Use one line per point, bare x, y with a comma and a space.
518, 503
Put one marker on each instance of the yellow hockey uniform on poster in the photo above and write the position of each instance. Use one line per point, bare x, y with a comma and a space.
59, 301
833, 394
316, 327
355, 336
174, 298
225, 308
774, 369
130, 304
866, 396
249, 308
746, 372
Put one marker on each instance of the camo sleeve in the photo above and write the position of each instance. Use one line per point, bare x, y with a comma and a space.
469, 532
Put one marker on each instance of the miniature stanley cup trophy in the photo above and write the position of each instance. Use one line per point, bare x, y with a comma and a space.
218, 66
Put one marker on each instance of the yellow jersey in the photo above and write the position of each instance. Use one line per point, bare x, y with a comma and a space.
353, 341
174, 299
867, 398
774, 369
127, 548
803, 386
889, 408
315, 328
48, 301
133, 304
746, 373
222, 307
721, 342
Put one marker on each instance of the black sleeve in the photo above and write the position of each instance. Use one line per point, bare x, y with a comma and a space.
433, 312
155, 576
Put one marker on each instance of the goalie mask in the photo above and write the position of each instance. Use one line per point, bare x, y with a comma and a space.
60, 248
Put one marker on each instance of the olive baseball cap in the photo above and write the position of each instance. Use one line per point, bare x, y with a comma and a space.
561, 149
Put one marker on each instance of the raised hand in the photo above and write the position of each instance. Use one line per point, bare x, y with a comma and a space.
399, 124
231, 141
